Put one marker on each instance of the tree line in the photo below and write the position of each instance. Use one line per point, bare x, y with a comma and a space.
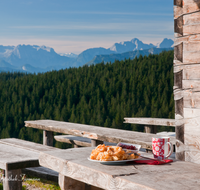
101, 95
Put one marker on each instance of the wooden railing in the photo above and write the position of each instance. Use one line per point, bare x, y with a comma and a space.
151, 123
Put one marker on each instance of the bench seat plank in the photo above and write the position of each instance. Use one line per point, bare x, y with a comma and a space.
73, 163
79, 141
94, 132
36, 147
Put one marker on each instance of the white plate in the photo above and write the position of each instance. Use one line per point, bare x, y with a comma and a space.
114, 162
136, 146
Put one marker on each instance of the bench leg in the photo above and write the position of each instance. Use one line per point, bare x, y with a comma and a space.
96, 142
67, 183
12, 180
48, 138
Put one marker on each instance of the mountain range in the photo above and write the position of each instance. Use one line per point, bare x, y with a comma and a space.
34, 59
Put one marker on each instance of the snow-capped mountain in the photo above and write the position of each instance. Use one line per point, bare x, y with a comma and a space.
134, 44
166, 43
27, 58
35, 56
72, 55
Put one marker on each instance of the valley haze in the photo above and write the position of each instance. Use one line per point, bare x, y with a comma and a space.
39, 59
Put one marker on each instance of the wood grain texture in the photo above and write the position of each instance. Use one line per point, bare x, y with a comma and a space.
178, 77
187, 39
150, 121
35, 147
178, 3
74, 164
178, 11
188, 6
79, 141
188, 113
94, 132
178, 25
67, 183
191, 145
95, 143
188, 24
190, 72
178, 52
193, 85
187, 52
47, 138
12, 158
190, 98
191, 6
179, 106
150, 129
41, 172
191, 113
13, 180
180, 133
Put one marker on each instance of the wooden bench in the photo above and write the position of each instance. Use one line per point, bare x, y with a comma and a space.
77, 141
97, 134
17, 154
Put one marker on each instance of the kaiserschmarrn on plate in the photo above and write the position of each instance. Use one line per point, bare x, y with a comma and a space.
111, 153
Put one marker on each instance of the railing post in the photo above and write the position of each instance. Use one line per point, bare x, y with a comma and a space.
151, 129
48, 138
95, 143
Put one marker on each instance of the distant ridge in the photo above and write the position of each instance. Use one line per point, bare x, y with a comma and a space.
121, 56
38, 59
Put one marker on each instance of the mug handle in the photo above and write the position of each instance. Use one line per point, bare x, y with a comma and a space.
171, 149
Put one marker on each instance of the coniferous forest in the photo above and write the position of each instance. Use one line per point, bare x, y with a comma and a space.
100, 95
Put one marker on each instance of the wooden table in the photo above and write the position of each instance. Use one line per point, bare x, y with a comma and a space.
75, 170
16, 154
95, 133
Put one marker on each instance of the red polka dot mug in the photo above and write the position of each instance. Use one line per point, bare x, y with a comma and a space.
162, 147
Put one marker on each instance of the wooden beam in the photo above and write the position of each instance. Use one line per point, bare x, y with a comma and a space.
151, 121
179, 106
48, 138
151, 129
67, 183
178, 77
95, 143
12, 180
78, 141
191, 99
178, 52
190, 72
188, 7
193, 85
178, 25
178, 3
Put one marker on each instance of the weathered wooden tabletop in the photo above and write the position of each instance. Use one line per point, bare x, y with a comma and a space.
14, 157
18, 154
73, 163
94, 132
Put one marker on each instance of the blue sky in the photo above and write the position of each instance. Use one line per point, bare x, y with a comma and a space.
76, 25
